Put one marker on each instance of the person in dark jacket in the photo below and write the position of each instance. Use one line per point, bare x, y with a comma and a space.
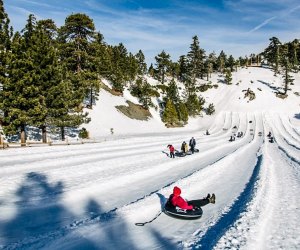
177, 201
172, 149
192, 144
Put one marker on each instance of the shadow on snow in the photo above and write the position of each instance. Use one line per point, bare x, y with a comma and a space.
41, 221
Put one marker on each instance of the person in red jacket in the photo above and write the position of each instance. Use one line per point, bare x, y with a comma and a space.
178, 201
172, 149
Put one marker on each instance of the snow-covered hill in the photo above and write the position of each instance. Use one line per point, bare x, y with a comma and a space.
90, 196
225, 98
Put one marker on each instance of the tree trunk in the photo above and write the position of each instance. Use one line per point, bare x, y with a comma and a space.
91, 98
23, 136
286, 80
62, 130
44, 134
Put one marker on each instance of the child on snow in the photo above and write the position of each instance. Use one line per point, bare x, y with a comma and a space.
176, 200
172, 149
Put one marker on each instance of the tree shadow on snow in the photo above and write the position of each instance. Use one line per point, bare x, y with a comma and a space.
35, 215
41, 221
114, 231
276, 89
38, 214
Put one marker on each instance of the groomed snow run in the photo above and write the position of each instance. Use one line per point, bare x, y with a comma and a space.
90, 196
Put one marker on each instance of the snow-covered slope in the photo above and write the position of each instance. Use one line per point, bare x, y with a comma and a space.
90, 196
225, 98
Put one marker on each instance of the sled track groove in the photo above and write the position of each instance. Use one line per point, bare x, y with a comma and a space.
215, 232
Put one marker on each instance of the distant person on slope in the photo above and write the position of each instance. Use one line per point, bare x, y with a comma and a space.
172, 149
192, 144
177, 201
184, 147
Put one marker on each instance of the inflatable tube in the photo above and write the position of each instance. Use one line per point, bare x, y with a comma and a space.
180, 154
183, 213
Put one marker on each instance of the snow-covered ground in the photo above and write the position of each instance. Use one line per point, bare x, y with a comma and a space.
90, 196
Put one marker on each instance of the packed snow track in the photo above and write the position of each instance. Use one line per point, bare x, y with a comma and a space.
90, 196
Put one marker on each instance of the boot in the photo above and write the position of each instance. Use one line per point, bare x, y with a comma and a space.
208, 196
212, 199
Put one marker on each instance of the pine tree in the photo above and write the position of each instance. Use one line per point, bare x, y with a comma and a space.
132, 68
64, 111
293, 51
194, 105
24, 103
210, 64
5, 48
143, 91
286, 68
45, 60
162, 64
75, 38
221, 60
182, 112
272, 53
142, 66
230, 63
172, 92
183, 68
228, 77
196, 58
151, 70
211, 109
170, 116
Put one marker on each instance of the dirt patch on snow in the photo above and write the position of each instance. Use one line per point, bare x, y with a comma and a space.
134, 111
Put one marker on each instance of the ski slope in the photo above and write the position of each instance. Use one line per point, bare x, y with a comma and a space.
90, 196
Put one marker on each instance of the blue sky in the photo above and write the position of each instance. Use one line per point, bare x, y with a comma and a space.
239, 27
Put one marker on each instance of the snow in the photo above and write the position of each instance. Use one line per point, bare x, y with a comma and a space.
89, 196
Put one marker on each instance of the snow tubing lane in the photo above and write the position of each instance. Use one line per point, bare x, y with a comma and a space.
184, 214
214, 233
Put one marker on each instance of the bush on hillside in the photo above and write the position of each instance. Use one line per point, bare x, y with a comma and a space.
249, 93
83, 134
211, 109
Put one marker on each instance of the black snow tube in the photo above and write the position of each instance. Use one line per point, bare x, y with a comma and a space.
183, 213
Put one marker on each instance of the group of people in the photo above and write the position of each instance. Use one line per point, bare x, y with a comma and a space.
184, 147
271, 138
240, 134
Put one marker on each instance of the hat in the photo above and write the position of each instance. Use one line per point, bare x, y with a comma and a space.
176, 191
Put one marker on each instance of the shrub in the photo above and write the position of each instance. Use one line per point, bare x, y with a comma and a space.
83, 134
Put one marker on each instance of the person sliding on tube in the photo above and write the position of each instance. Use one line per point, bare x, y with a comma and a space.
177, 201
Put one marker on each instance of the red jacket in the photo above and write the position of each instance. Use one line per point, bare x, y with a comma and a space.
178, 201
172, 149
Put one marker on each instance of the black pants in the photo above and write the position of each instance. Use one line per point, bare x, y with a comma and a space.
172, 155
193, 149
199, 203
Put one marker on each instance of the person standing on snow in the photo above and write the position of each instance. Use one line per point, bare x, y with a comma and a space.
176, 200
184, 147
192, 144
172, 149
